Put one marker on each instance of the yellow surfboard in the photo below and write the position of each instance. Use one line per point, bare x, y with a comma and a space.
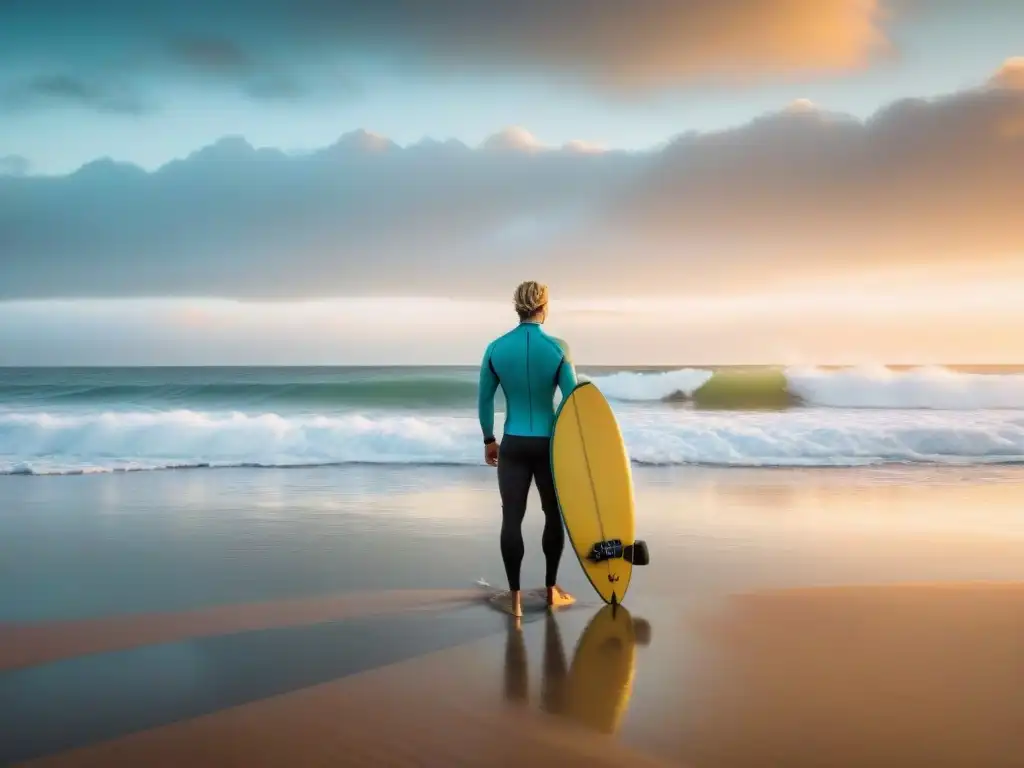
594, 485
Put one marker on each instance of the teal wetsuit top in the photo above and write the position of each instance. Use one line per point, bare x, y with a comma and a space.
528, 364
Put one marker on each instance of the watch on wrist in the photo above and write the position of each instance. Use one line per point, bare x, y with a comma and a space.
489, 440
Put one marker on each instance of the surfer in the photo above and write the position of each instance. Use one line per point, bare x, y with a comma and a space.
528, 364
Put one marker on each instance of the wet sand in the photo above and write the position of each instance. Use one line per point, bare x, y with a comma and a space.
894, 675
791, 619
28, 644
881, 676
454, 708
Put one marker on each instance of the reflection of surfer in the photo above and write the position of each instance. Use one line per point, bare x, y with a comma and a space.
596, 689
527, 364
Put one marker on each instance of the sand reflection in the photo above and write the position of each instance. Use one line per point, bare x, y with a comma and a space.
593, 691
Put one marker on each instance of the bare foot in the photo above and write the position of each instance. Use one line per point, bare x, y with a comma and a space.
509, 602
558, 597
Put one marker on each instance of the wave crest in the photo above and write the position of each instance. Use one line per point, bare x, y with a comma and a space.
929, 387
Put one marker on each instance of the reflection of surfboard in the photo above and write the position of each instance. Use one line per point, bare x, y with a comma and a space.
594, 485
596, 689
601, 676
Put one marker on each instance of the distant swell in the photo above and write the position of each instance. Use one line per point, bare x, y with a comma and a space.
378, 391
452, 389
49, 443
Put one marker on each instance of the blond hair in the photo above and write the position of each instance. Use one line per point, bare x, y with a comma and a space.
530, 298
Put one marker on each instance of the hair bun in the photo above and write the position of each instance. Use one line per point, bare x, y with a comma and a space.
529, 297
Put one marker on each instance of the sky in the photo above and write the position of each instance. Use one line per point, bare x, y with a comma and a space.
727, 181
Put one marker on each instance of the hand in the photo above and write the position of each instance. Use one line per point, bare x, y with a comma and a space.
491, 454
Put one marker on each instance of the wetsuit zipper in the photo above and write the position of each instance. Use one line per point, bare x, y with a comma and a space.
529, 386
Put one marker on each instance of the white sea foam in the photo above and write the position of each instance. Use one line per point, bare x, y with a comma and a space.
927, 387
633, 386
42, 443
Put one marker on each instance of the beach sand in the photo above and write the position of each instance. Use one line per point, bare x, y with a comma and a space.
820, 618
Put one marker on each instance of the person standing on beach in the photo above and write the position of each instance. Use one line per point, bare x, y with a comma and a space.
527, 363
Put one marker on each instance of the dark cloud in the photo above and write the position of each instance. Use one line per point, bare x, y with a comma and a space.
796, 192
223, 59
66, 90
610, 43
607, 44
275, 88
284, 49
14, 165
212, 55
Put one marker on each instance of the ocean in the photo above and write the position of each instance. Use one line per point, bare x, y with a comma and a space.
96, 420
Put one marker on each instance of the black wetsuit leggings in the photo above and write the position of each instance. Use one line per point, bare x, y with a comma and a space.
520, 461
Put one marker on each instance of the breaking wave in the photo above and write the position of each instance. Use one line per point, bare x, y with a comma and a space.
57, 443
933, 388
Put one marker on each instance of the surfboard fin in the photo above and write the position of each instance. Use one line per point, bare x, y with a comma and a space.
637, 553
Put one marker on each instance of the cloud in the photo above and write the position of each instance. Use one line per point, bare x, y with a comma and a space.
605, 44
513, 139
516, 138
14, 165
225, 60
797, 193
639, 44
583, 147
211, 55
275, 88
801, 105
66, 90
1011, 74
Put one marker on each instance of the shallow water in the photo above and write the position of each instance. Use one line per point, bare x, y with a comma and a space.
104, 544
